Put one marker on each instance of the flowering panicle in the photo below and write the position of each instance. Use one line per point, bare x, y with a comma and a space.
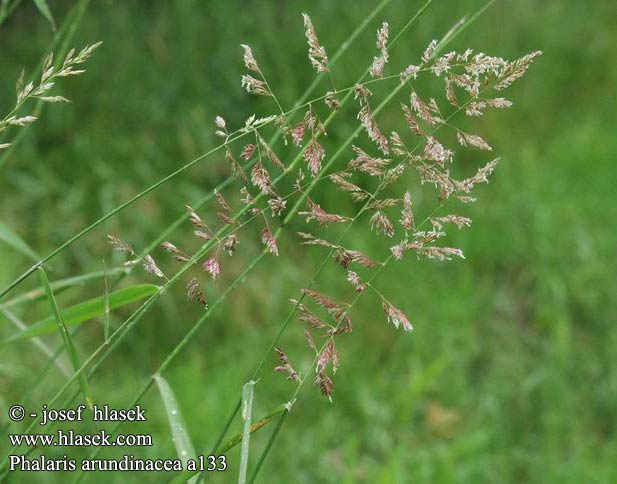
380, 61
277, 205
476, 108
468, 79
407, 219
410, 72
412, 122
212, 266
481, 176
194, 218
457, 220
332, 101
515, 70
195, 294
441, 253
179, 255
474, 140
397, 144
151, 268
269, 241
357, 194
229, 246
435, 151
328, 356
249, 60
120, 245
271, 155
380, 204
324, 383
320, 215
255, 86
429, 51
285, 365
260, 177
368, 164
422, 109
248, 151
314, 155
41, 90
393, 174
396, 316
381, 224
317, 53
354, 279
225, 214
308, 317
297, 133
338, 311
251, 84
367, 119
221, 126
236, 168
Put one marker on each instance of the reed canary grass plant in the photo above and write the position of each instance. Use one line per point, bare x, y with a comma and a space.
402, 133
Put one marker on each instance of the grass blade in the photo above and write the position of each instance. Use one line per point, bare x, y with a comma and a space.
46, 12
107, 316
179, 433
87, 310
16, 242
59, 285
247, 413
66, 336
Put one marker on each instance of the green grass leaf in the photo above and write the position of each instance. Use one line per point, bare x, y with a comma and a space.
66, 336
15, 241
87, 310
60, 285
179, 433
106, 310
45, 11
247, 414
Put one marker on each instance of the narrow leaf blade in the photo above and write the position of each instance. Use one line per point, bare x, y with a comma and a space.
106, 310
247, 413
66, 336
46, 12
60, 285
179, 433
87, 310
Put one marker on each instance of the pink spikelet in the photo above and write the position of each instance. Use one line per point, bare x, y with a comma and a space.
314, 154
380, 61
407, 220
212, 267
249, 60
269, 241
396, 316
285, 365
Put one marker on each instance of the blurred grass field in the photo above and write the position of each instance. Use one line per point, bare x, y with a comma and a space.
510, 374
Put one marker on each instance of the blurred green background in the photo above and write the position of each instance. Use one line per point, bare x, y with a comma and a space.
510, 374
